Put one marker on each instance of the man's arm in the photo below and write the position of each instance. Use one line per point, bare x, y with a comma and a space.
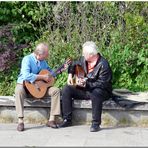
26, 71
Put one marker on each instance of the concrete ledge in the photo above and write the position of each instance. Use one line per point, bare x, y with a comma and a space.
37, 111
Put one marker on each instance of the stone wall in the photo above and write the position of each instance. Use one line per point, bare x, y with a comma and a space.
37, 111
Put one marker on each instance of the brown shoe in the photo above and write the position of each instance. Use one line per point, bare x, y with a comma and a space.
51, 124
20, 127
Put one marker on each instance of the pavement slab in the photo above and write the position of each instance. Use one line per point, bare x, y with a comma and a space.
37, 135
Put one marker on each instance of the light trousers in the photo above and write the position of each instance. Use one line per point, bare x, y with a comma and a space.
21, 94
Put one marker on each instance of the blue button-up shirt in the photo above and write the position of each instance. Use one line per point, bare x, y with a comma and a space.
30, 67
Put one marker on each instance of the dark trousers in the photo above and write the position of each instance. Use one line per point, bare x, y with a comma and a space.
71, 92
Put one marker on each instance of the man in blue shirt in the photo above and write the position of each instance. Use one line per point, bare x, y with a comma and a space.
30, 67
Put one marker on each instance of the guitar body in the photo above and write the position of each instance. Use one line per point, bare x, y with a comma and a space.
79, 73
38, 88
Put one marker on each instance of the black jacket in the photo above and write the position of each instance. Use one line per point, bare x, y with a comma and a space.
100, 77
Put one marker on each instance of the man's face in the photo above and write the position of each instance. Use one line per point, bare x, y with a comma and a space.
43, 56
88, 57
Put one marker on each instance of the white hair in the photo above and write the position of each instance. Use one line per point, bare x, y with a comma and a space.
89, 48
40, 48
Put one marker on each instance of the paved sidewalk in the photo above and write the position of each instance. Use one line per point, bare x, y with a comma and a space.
40, 135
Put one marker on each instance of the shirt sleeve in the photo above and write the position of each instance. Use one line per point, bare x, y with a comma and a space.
26, 70
50, 70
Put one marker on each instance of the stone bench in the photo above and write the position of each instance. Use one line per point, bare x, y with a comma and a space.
37, 111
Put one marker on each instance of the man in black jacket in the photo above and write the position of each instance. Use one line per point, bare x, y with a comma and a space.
95, 85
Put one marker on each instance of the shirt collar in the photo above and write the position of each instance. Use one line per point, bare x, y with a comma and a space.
36, 61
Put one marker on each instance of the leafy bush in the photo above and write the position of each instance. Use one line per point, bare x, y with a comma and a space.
119, 29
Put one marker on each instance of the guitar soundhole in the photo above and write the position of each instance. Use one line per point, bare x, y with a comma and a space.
39, 89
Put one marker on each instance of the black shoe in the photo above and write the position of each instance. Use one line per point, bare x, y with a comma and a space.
65, 123
94, 127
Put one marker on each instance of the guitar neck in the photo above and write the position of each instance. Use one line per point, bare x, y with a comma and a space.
59, 70
62, 67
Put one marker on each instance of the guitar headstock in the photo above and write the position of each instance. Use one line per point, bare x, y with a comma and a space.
67, 63
64, 66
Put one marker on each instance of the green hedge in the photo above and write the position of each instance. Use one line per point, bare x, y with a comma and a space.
120, 29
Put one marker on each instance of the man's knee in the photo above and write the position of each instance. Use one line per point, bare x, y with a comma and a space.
97, 99
67, 88
54, 91
20, 91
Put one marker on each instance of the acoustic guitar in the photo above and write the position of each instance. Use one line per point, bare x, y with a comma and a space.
39, 87
79, 74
